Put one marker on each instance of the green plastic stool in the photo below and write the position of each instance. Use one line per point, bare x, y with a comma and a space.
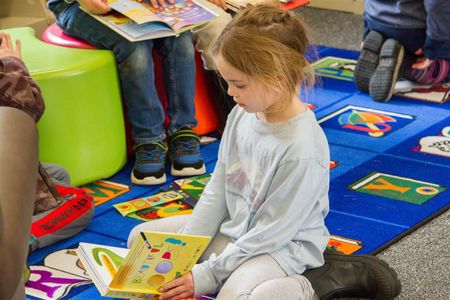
82, 127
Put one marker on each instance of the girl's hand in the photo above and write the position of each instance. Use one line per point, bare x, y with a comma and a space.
421, 62
177, 289
220, 3
157, 3
96, 7
7, 47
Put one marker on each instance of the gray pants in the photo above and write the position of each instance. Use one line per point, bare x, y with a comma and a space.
259, 278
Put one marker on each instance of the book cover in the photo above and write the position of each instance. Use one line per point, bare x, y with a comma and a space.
105, 190
169, 209
344, 244
154, 259
140, 21
132, 206
193, 186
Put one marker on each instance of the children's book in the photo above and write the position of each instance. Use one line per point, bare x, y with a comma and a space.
344, 244
141, 21
154, 259
105, 190
438, 93
193, 186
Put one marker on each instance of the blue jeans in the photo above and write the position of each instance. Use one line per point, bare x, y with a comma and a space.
136, 72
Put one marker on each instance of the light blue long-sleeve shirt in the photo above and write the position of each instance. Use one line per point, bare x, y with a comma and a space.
268, 193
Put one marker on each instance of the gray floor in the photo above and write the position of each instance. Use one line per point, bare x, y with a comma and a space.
421, 259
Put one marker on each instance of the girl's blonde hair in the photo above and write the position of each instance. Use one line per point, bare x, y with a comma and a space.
270, 44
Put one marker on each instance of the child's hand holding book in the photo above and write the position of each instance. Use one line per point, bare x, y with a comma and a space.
177, 289
96, 7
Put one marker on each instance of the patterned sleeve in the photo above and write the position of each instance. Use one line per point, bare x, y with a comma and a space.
18, 89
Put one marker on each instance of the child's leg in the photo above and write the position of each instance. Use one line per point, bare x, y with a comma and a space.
57, 173
262, 278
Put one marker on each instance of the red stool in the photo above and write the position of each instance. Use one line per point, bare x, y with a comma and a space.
206, 113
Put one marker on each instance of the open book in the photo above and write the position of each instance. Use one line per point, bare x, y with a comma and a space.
140, 21
154, 259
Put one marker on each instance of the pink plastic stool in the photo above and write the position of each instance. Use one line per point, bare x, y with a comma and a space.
55, 36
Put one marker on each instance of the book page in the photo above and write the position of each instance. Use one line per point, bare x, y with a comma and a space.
102, 262
132, 31
134, 10
158, 259
183, 13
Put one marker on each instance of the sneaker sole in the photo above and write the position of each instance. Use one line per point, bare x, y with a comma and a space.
368, 60
187, 171
389, 285
151, 180
383, 80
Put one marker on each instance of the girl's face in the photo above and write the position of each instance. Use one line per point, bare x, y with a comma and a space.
250, 94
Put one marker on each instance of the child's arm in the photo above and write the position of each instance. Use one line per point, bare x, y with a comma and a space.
17, 88
211, 209
290, 220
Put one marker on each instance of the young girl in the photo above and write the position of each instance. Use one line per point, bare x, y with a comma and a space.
268, 196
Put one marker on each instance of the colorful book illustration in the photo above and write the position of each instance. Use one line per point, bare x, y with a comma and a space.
140, 21
193, 186
132, 206
343, 244
155, 258
169, 209
104, 190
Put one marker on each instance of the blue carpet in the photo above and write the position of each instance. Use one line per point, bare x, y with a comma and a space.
392, 175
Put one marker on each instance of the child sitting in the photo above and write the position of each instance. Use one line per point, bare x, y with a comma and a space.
267, 199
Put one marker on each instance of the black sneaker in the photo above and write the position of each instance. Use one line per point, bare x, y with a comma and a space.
385, 76
149, 167
360, 276
368, 60
184, 150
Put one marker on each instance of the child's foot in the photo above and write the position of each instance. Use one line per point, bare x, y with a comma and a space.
149, 167
184, 150
368, 60
362, 276
385, 76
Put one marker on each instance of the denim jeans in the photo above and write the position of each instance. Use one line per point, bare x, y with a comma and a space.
136, 71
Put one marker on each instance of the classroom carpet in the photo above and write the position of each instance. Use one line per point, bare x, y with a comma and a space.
390, 174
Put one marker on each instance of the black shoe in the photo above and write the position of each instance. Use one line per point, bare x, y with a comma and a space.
385, 76
184, 150
149, 165
368, 60
363, 276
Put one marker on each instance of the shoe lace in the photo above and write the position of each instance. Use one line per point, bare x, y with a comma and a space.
150, 152
186, 141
